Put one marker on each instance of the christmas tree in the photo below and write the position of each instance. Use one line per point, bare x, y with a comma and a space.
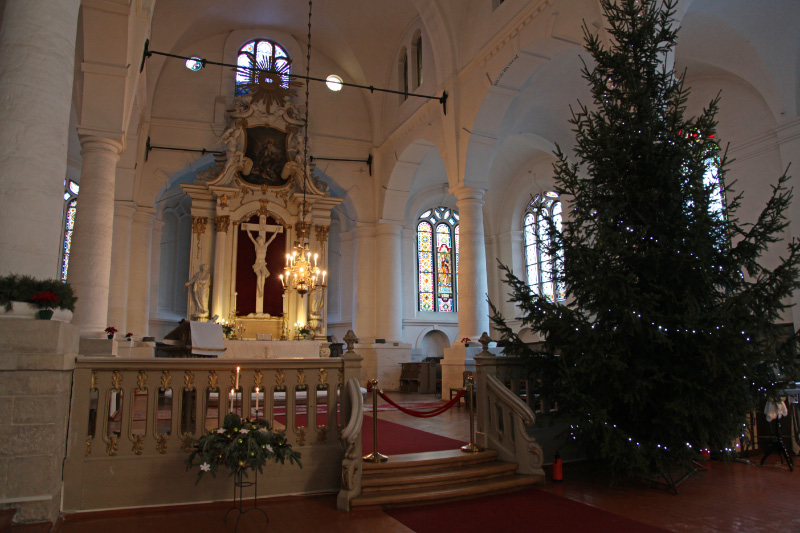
667, 338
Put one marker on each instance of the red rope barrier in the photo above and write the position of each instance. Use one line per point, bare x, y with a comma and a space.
424, 414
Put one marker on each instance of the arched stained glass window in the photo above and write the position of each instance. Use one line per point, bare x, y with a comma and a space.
71, 207
260, 53
544, 267
437, 260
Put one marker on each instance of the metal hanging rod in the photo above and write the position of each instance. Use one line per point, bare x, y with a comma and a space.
149, 147
147, 53
368, 160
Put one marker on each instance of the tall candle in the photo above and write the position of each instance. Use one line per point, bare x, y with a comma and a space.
231, 399
237, 378
256, 403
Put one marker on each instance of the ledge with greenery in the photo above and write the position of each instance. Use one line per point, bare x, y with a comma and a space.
27, 289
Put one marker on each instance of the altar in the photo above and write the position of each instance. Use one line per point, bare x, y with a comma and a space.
235, 349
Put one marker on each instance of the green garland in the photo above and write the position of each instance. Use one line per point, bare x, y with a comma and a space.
240, 444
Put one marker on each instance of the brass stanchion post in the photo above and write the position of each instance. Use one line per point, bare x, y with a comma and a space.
375, 456
471, 447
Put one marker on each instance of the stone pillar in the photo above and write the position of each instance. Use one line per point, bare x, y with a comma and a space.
90, 263
389, 291
139, 279
218, 284
364, 295
155, 262
37, 54
120, 263
473, 309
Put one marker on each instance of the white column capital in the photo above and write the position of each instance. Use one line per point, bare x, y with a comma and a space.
96, 143
144, 215
464, 192
364, 230
388, 227
124, 209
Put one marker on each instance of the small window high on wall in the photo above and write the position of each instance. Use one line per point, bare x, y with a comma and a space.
544, 267
260, 53
437, 260
403, 75
418, 61
70, 209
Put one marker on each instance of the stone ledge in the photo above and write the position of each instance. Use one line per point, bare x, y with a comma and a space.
22, 336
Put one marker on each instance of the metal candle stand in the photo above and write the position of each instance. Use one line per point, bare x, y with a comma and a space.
239, 483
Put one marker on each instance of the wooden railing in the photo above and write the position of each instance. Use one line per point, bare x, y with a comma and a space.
132, 423
503, 416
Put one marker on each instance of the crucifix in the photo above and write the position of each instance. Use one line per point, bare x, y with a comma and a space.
261, 244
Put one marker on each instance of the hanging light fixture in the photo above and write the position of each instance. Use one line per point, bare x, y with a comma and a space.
301, 271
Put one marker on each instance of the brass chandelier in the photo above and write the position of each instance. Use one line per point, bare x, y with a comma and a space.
300, 274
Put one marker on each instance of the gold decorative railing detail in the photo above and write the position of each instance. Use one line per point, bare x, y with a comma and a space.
188, 379
166, 380
301, 378
323, 377
141, 380
138, 445
93, 384
161, 443
279, 379
213, 379
116, 379
258, 379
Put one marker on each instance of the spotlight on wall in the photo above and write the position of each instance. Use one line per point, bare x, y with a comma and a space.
195, 63
334, 82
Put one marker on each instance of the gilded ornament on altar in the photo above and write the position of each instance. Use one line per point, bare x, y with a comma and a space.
322, 233
199, 225
213, 379
221, 222
222, 201
301, 436
116, 379
280, 379
186, 443
138, 445
322, 433
270, 82
323, 377
188, 380
166, 380
93, 381
141, 380
258, 379
301, 379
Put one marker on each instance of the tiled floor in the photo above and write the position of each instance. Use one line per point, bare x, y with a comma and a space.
732, 497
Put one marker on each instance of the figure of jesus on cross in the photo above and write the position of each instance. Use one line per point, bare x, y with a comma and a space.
261, 244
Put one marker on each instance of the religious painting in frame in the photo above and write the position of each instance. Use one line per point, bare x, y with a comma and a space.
266, 147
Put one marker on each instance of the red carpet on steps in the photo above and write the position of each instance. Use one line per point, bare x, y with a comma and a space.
525, 510
395, 439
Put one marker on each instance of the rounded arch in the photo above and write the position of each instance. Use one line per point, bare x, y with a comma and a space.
419, 166
433, 344
438, 334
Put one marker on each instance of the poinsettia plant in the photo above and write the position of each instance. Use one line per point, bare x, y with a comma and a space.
240, 444
45, 299
110, 330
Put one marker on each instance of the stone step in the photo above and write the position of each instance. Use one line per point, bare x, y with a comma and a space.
402, 479
428, 461
440, 493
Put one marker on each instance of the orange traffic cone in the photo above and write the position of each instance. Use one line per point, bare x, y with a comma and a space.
558, 475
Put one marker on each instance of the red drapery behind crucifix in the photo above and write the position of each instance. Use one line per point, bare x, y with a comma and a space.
246, 278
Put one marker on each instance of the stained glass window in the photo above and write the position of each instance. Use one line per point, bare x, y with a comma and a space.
71, 207
258, 53
437, 260
544, 266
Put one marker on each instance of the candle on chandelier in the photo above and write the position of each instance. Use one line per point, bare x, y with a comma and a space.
323, 277
315, 259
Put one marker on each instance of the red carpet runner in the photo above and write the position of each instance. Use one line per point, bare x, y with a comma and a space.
394, 439
526, 510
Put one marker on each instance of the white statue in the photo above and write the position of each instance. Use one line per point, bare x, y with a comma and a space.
261, 244
199, 283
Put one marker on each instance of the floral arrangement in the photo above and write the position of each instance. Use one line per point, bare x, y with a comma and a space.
110, 330
240, 444
129, 336
17, 288
465, 340
45, 299
304, 331
227, 330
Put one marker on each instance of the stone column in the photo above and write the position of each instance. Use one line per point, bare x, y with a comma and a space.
120, 263
139, 279
218, 284
364, 295
90, 266
389, 290
473, 309
37, 54
155, 262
